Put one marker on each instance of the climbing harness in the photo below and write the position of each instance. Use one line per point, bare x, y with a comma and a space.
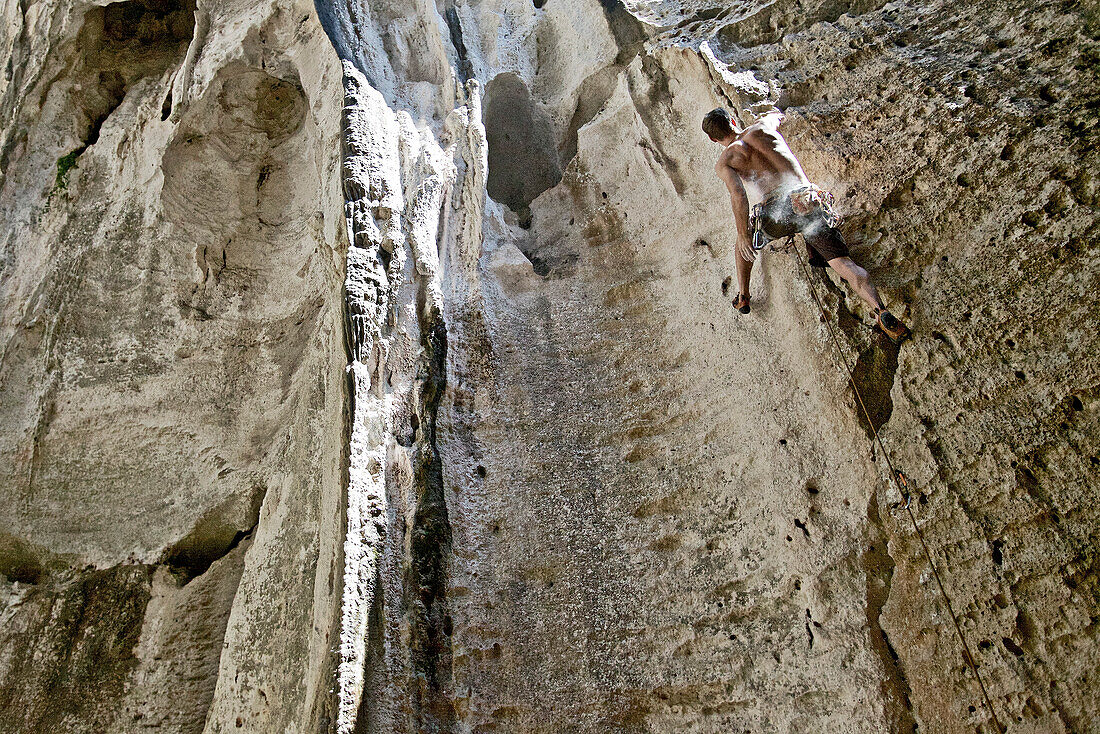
804, 201
902, 483
808, 198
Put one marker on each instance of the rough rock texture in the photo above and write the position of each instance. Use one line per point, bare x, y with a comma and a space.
432, 415
172, 343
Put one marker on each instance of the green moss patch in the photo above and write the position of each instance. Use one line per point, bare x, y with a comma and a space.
65, 164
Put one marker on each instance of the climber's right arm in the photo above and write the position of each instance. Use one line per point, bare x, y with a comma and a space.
739, 200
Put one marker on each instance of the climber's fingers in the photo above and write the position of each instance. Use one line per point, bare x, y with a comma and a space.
744, 249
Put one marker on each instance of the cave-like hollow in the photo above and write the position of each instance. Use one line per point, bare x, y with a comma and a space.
523, 159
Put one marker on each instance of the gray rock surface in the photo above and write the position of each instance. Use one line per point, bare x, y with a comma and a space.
367, 368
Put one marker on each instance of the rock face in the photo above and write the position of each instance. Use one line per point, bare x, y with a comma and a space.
367, 368
173, 357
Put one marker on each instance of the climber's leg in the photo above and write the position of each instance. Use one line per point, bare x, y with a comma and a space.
827, 247
744, 270
860, 281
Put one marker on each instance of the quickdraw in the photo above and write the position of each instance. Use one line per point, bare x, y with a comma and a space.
760, 238
903, 487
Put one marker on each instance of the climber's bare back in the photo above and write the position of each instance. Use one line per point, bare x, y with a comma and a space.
762, 160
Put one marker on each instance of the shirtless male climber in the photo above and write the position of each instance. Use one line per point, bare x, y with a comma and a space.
757, 161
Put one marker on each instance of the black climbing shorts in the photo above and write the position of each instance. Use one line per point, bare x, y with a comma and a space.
823, 242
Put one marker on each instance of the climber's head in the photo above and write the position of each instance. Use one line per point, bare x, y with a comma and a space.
718, 125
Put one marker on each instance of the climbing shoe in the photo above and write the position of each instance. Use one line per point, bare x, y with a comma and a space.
891, 327
741, 303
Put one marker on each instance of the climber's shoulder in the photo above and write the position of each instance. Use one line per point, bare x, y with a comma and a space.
764, 131
766, 124
731, 165
724, 166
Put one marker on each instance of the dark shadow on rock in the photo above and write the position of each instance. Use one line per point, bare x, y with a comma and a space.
523, 158
68, 660
873, 378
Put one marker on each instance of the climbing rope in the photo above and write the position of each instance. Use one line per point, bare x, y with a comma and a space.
902, 483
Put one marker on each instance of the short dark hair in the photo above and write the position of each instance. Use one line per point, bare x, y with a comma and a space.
717, 124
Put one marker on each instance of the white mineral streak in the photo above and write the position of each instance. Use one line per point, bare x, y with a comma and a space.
372, 185
396, 179
742, 85
676, 14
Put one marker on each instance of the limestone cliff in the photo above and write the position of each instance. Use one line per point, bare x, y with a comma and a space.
366, 367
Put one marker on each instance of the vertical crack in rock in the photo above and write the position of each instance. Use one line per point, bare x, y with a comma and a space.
429, 534
454, 27
878, 569
430, 538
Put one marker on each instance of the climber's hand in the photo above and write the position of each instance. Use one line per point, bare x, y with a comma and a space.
744, 249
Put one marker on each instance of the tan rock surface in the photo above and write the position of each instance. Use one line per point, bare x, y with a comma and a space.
561, 485
172, 366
